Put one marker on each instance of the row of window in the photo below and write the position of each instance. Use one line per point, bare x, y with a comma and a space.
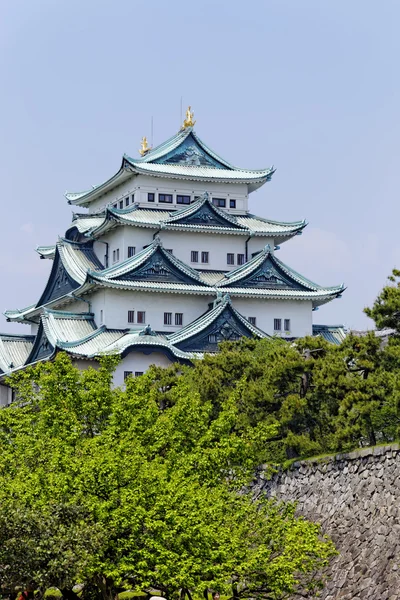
230, 259
168, 199
181, 199
195, 256
125, 202
140, 316
168, 318
278, 324
130, 374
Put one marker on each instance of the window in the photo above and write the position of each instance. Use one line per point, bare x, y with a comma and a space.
204, 257
150, 197
230, 259
131, 251
212, 338
194, 256
165, 198
116, 255
183, 199
131, 316
127, 201
252, 320
121, 204
101, 317
127, 374
277, 324
133, 198
221, 202
167, 318
178, 318
232, 203
286, 324
141, 316
240, 259
138, 373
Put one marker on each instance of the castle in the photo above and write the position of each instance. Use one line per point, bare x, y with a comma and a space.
166, 263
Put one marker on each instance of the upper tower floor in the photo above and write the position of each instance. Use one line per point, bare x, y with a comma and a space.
174, 174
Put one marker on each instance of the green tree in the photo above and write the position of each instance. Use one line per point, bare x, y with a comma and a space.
386, 309
157, 470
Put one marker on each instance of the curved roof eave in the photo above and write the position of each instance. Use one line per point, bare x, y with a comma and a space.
84, 198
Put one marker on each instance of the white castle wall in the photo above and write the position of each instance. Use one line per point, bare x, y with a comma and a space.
298, 311
115, 305
182, 244
140, 185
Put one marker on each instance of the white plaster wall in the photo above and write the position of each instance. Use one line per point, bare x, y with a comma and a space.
298, 311
140, 185
255, 244
139, 362
116, 303
182, 244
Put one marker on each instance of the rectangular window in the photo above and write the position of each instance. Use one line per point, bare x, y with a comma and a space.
194, 256
127, 374
277, 324
114, 255
221, 202
117, 255
141, 316
240, 259
178, 318
165, 198
167, 318
204, 257
131, 316
150, 197
183, 199
252, 320
101, 317
286, 324
127, 201
230, 259
232, 203
131, 251
133, 198
121, 204
138, 373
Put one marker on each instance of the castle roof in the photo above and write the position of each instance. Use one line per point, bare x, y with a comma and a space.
76, 271
200, 216
183, 156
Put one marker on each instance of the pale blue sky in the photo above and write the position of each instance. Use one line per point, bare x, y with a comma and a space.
311, 86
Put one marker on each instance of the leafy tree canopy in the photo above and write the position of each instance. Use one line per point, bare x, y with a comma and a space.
142, 488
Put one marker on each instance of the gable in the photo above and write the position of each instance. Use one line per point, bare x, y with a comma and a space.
190, 153
226, 327
267, 276
59, 283
158, 268
42, 348
206, 215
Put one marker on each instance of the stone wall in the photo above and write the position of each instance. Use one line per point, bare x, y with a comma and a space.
356, 498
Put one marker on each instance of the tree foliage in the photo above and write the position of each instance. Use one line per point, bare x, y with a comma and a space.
142, 488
